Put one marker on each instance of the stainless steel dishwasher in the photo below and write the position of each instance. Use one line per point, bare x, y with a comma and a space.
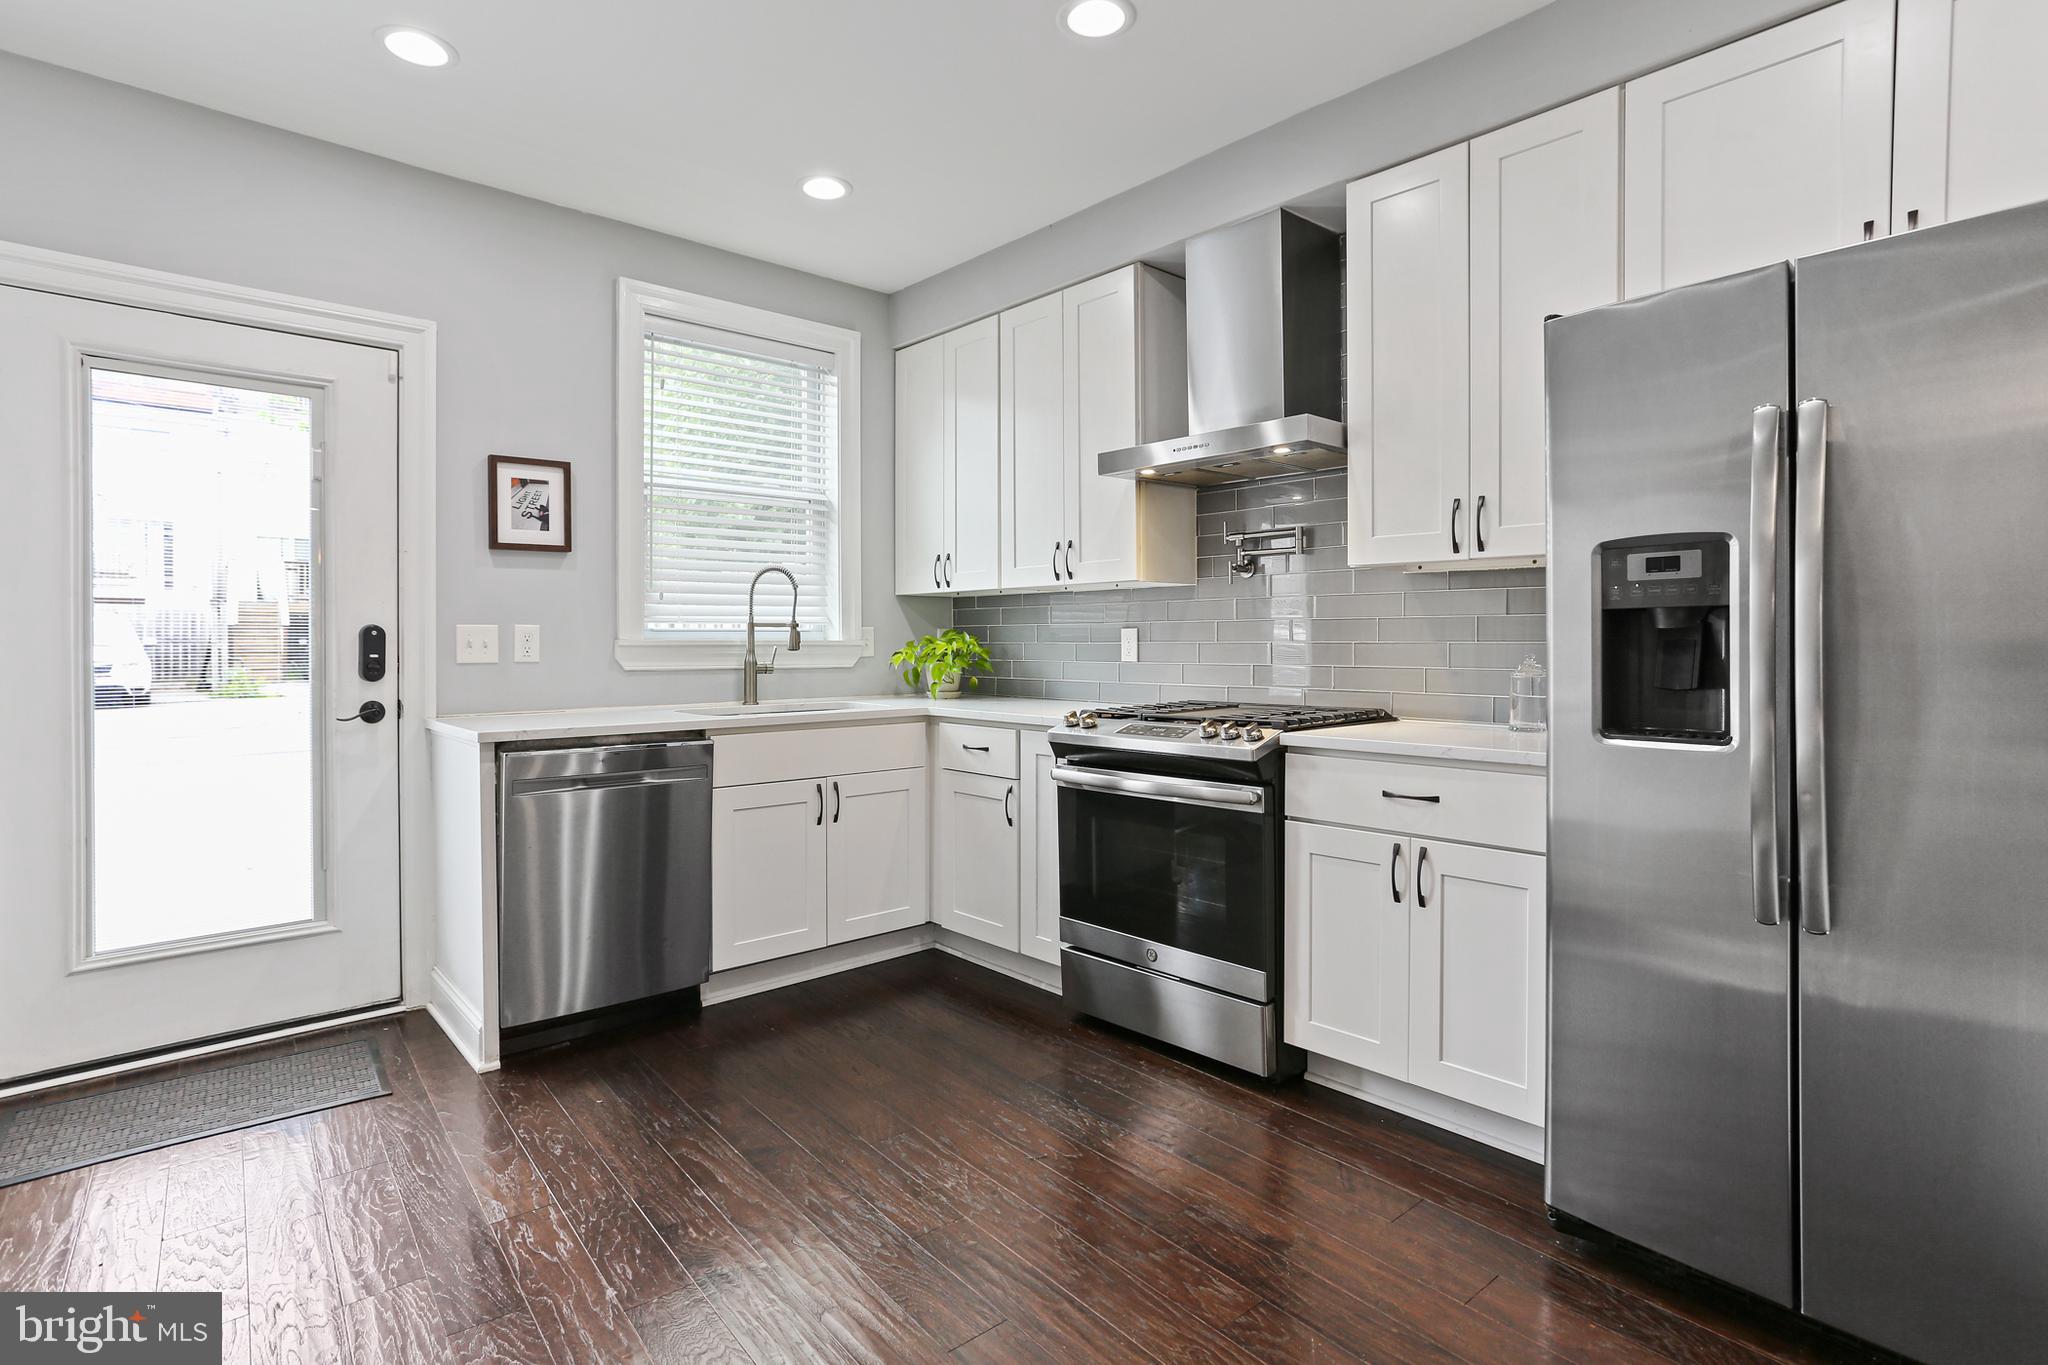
604, 876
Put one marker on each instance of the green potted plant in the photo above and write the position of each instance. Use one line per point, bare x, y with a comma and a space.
936, 663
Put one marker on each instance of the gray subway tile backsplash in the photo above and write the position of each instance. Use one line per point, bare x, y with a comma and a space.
1304, 630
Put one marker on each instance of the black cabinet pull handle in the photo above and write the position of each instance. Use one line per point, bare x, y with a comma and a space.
369, 713
1457, 505
935, 573
1070, 561
1055, 561
835, 802
1394, 874
949, 570
1421, 865
975, 748
1008, 793
821, 804
1404, 796
1479, 524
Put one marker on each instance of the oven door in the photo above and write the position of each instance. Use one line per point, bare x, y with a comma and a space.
1172, 867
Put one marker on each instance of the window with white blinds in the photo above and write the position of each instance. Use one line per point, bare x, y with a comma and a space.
741, 470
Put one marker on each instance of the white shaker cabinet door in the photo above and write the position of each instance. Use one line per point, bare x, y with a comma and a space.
973, 552
1039, 849
1032, 444
974, 869
1408, 362
1766, 149
1546, 239
1972, 125
921, 467
1347, 945
1477, 996
877, 832
768, 872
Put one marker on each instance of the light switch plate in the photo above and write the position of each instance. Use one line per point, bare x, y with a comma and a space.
526, 644
1129, 636
476, 644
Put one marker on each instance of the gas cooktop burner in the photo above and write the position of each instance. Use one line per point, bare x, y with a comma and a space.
1215, 729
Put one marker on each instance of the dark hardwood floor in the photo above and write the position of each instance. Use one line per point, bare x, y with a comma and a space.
915, 1161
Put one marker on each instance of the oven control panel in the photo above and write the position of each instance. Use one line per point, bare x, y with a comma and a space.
1146, 731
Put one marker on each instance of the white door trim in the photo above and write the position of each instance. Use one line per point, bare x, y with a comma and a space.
413, 339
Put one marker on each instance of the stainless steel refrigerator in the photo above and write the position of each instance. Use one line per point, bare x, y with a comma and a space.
1799, 783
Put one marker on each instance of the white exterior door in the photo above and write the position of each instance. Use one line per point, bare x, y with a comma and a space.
1771, 148
1033, 444
1479, 928
769, 852
195, 845
1347, 945
1038, 828
876, 835
973, 465
974, 881
1408, 363
1972, 129
1546, 238
921, 467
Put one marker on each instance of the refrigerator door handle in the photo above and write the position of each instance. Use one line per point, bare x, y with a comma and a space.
1809, 543
1767, 823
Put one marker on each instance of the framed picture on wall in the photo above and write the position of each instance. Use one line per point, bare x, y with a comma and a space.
529, 504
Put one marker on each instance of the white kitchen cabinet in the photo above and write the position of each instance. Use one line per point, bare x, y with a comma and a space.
876, 837
1408, 361
975, 888
921, 467
1477, 933
1766, 149
1038, 851
947, 516
1099, 366
1546, 239
1972, 121
1347, 974
769, 873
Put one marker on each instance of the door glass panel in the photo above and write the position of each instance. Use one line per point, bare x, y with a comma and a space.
202, 660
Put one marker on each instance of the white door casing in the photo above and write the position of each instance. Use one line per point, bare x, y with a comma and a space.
347, 956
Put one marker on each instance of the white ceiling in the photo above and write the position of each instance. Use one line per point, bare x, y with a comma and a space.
962, 124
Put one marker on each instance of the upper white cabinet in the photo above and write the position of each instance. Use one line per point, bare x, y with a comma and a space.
1096, 367
1972, 125
1546, 239
1770, 148
1454, 262
946, 462
1407, 361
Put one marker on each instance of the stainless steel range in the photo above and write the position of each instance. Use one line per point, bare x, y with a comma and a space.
1170, 863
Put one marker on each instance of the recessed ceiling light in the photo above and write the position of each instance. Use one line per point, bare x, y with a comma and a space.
1097, 18
826, 187
1283, 450
416, 46
1148, 473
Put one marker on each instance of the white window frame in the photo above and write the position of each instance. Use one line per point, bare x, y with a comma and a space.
640, 306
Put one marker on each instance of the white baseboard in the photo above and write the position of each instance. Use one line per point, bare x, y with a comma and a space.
740, 982
1029, 970
1467, 1120
460, 1020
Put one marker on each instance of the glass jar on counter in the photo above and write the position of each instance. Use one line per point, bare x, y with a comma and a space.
1529, 697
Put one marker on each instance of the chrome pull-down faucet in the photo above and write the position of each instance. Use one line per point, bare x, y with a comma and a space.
751, 667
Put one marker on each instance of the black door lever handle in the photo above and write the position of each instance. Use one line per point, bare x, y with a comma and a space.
369, 713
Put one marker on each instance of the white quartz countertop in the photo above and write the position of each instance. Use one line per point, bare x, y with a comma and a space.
1443, 741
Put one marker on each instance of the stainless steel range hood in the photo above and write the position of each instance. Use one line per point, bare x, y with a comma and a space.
1265, 358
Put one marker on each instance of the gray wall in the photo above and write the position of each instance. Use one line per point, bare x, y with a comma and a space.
1567, 49
1306, 629
523, 294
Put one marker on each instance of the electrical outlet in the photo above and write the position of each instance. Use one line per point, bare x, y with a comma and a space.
1129, 636
526, 644
476, 644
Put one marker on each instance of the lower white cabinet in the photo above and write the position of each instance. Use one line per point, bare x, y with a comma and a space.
1419, 959
975, 888
1038, 831
804, 864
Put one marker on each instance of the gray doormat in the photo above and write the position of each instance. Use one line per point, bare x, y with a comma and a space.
43, 1139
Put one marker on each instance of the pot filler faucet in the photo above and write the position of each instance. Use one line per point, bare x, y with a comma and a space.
751, 668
